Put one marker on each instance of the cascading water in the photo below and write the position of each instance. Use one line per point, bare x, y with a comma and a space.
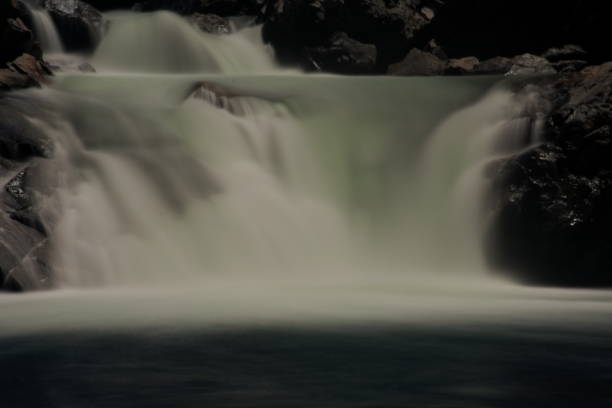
259, 237
167, 178
46, 32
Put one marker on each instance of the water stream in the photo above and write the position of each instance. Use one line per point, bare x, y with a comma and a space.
231, 233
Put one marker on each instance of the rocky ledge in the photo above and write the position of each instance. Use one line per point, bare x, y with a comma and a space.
553, 202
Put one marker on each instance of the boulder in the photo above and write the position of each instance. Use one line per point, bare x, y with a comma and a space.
552, 217
461, 66
418, 62
343, 55
13, 80
530, 64
393, 27
79, 24
518, 65
24, 152
31, 67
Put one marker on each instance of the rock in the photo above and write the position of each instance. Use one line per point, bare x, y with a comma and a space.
15, 38
461, 66
568, 52
518, 65
393, 27
31, 67
79, 25
530, 64
343, 55
24, 154
211, 23
552, 218
13, 80
418, 62
19, 139
494, 66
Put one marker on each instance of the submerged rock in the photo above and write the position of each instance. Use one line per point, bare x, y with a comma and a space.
552, 218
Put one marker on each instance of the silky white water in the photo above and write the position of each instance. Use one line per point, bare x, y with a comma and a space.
175, 167
267, 193
45, 31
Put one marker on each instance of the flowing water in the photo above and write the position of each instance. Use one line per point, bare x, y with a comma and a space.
229, 233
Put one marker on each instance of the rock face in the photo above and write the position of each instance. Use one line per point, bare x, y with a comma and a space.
23, 244
552, 215
294, 26
342, 53
79, 24
20, 56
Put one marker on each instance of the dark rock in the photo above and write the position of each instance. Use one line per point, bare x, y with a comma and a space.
394, 27
518, 65
552, 217
13, 80
568, 52
461, 66
15, 39
530, 64
25, 178
211, 23
19, 139
343, 55
29, 66
418, 62
494, 66
79, 24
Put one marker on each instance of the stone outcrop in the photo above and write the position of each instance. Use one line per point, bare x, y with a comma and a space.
552, 218
24, 150
294, 27
79, 25
21, 62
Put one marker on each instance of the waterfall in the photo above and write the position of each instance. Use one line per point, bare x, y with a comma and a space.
45, 31
189, 157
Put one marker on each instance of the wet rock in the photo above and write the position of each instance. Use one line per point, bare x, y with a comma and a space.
461, 66
15, 39
343, 55
418, 62
79, 24
393, 27
569, 66
211, 23
31, 67
13, 80
494, 66
19, 139
566, 53
552, 213
530, 64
